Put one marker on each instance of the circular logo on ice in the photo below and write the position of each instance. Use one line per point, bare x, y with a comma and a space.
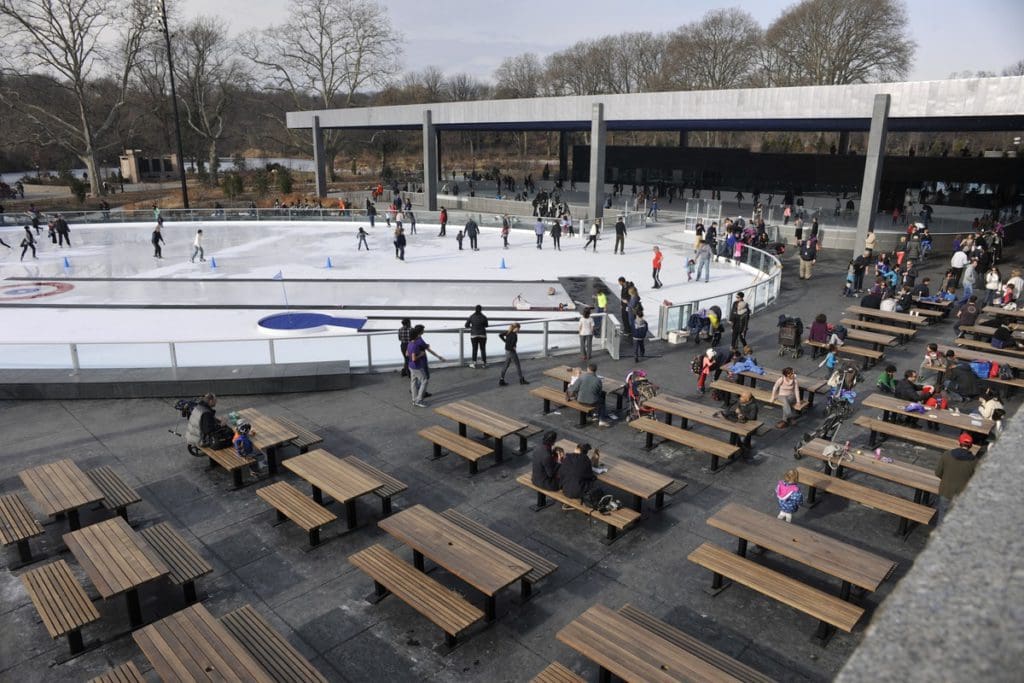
33, 290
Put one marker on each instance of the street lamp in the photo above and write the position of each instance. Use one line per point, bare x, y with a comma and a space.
161, 9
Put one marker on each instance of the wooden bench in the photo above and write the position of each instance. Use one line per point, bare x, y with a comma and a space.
551, 395
117, 495
979, 330
268, 647
305, 439
391, 488
461, 446
713, 447
987, 346
616, 521
61, 602
527, 432
922, 437
290, 504
443, 607
230, 460
122, 673
760, 395
921, 479
904, 334
907, 511
721, 661
185, 563
18, 525
829, 610
889, 316
870, 356
541, 566
556, 672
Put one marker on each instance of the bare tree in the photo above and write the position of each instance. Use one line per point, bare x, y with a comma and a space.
719, 51
329, 49
207, 72
583, 69
1015, 69
834, 42
519, 77
638, 62
90, 47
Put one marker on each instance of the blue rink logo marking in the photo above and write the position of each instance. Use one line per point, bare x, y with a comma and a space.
34, 290
294, 322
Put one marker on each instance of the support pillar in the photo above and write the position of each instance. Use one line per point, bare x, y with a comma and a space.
873, 159
440, 155
319, 162
598, 131
563, 155
684, 138
430, 170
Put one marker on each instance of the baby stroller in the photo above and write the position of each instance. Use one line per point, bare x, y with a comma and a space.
638, 390
791, 331
698, 323
841, 394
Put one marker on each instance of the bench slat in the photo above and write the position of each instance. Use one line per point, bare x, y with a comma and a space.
869, 497
17, 523
305, 438
849, 350
58, 597
183, 561
620, 519
555, 672
899, 332
304, 511
453, 442
699, 442
116, 493
798, 595
444, 607
122, 673
391, 487
558, 397
268, 647
541, 566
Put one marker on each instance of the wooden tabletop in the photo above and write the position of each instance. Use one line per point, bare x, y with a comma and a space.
633, 653
341, 480
898, 472
563, 373
969, 354
191, 645
60, 486
626, 476
469, 557
871, 337
699, 412
826, 554
481, 419
999, 310
266, 431
811, 384
115, 557
962, 422
940, 303
888, 315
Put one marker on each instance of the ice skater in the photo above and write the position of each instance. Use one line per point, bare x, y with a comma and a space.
511, 339
157, 239
197, 248
28, 242
400, 244
362, 239
656, 261
4, 243
63, 230
592, 237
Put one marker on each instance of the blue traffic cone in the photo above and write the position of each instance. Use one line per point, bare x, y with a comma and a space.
503, 266
213, 262
67, 264
328, 264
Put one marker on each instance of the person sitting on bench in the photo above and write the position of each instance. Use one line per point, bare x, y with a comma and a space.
545, 464
577, 475
907, 389
245, 447
786, 390
587, 390
203, 425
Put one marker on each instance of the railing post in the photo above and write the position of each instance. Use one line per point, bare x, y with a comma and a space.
273, 356
369, 353
546, 352
74, 358
462, 347
174, 355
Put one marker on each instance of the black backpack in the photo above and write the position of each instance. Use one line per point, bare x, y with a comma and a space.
696, 364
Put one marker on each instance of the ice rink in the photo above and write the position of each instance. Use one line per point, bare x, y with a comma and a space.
120, 293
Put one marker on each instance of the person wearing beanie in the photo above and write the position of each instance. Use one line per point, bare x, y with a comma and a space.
707, 366
954, 470
545, 464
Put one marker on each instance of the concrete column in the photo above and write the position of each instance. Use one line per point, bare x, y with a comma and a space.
563, 155
430, 169
598, 131
684, 138
873, 159
319, 162
440, 155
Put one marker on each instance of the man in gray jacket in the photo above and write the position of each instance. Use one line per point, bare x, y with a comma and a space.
587, 389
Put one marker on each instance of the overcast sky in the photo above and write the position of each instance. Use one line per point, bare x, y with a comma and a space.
473, 36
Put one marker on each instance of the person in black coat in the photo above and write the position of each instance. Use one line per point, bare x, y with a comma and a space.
908, 390
546, 462
577, 474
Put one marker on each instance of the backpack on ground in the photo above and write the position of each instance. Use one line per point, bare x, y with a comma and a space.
696, 364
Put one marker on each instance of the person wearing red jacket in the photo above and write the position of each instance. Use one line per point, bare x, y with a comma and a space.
443, 218
656, 267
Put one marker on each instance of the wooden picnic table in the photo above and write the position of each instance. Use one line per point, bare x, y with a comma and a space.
635, 480
267, 434
482, 565
622, 647
687, 410
960, 421
61, 487
809, 386
969, 354
1001, 312
849, 564
921, 479
563, 373
191, 645
892, 316
341, 480
878, 340
117, 560
942, 305
484, 420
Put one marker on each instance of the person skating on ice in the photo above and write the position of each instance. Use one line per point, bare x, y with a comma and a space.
157, 239
362, 239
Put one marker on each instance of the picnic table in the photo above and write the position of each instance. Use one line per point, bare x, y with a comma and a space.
921, 479
959, 421
484, 420
851, 565
687, 410
61, 487
635, 480
267, 434
1000, 312
969, 354
621, 647
891, 316
191, 645
809, 386
563, 373
341, 480
482, 565
117, 560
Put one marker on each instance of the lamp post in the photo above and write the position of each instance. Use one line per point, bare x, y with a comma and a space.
161, 8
